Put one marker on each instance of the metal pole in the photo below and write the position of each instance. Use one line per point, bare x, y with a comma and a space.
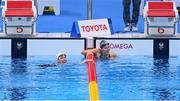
89, 10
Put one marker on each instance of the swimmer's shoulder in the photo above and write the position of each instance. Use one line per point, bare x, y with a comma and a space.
113, 55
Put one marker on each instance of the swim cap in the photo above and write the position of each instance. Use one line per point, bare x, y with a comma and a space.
103, 43
60, 54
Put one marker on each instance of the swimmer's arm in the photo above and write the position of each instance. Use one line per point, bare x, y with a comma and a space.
95, 50
47, 65
84, 52
90, 51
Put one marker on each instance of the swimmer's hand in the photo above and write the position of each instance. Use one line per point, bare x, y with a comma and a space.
90, 51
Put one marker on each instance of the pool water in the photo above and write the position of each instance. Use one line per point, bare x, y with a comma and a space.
24, 79
126, 78
139, 78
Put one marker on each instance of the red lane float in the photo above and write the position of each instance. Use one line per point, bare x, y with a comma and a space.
93, 87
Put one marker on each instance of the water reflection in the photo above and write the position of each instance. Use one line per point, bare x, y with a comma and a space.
164, 94
17, 80
161, 68
161, 72
17, 93
18, 67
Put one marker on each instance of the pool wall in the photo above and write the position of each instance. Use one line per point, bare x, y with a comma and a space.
155, 47
129, 47
5, 47
23, 47
174, 47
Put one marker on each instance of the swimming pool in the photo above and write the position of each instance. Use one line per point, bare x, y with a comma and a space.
126, 78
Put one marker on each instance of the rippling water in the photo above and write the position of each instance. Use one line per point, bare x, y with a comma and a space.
126, 78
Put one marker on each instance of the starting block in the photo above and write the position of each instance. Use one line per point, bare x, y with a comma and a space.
19, 17
160, 18
48, 7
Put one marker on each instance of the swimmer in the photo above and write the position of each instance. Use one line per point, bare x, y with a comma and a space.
61, 59
103, 52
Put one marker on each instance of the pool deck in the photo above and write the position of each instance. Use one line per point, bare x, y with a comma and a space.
67, 35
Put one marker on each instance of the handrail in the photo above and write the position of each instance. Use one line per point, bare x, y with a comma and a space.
93, 86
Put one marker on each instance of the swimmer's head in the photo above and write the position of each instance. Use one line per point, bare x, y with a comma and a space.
61, 58
105, 47
103, 43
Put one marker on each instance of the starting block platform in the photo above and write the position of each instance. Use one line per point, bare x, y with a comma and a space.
160, 18
19, 17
